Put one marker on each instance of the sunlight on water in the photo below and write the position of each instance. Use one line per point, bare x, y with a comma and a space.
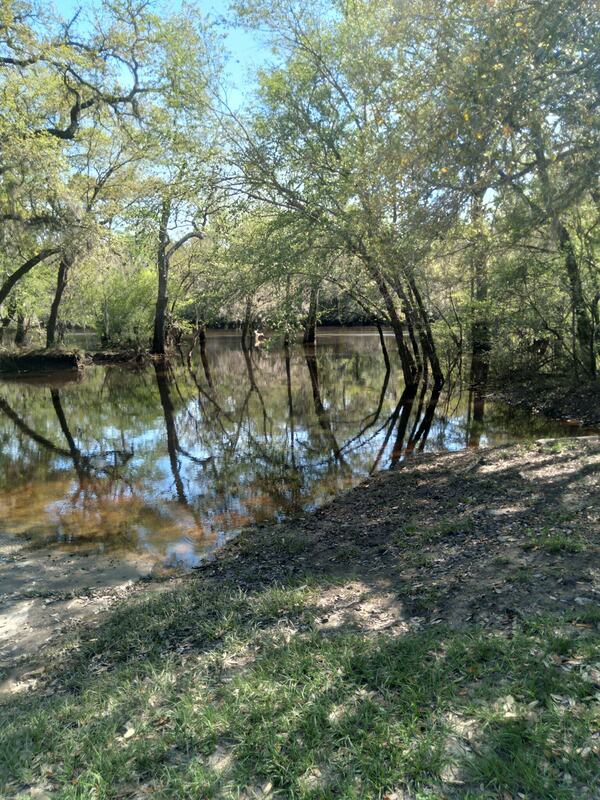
170, 462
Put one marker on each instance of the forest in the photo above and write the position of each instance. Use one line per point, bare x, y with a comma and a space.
428, 166
299, 399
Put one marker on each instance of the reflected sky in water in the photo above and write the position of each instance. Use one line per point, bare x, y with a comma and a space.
168, 462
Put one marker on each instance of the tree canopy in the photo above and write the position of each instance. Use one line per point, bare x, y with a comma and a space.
428, 165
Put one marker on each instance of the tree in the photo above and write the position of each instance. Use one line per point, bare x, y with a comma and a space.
519, 88
73, 88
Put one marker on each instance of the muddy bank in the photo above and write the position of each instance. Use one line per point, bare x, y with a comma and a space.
34, 362
455, 599
45, 592
41, 361
564, 401
480, 536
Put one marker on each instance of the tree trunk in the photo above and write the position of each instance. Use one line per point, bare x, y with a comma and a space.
595, 327
61, 282
21, 332
26, 267
105, 334
162, 296
426, 335
425, 426
480, 328
476, 402
320, 410
386, 357
203, 355
162, 382
583, 325
5, 322
288, 377
406, 405
310, 327
409, 366
409, 315
247, 340
34, 435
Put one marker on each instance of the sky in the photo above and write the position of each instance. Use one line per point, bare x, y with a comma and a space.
246, 52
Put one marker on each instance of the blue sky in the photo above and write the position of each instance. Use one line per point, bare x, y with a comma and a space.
246, 52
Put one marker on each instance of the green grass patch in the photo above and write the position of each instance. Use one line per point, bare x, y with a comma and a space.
430, 532
556, 542
210, 692
291, 545
589, 615
422, 560
522, 574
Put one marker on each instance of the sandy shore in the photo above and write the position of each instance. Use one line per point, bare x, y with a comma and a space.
45, 591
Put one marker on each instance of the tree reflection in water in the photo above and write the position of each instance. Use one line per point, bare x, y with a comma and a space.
169, 460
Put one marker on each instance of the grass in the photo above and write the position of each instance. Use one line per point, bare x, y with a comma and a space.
209, 692
522, 574
421, 560
556, 542
431, 532
291, 545
588, 615
556, 447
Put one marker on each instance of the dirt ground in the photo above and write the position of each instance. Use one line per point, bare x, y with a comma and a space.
482, 536
45, 591
548, 396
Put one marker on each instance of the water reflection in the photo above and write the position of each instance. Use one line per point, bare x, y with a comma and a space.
170, 460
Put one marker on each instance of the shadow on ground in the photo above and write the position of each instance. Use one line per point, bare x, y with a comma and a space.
431, 634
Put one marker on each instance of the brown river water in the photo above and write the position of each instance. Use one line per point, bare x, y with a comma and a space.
167, 463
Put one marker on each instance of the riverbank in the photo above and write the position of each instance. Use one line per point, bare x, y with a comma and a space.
46, 591
554, 398
433, 633
19, 362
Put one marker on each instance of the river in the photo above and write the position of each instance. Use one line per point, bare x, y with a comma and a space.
168, 462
